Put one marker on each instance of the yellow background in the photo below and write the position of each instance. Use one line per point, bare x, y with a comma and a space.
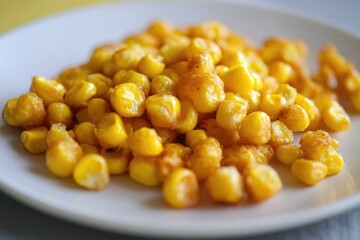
14, 13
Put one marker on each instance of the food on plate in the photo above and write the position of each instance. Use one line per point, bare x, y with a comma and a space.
191, 108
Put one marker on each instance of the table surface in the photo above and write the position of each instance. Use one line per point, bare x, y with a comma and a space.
18, 221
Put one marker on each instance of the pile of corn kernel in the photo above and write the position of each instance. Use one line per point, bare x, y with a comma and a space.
191, 107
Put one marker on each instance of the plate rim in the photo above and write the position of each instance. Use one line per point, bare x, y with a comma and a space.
294, 219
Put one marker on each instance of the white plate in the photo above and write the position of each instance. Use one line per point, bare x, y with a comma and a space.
47, 46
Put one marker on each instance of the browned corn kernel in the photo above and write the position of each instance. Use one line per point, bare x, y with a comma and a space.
30, 110
295, 118
280, 134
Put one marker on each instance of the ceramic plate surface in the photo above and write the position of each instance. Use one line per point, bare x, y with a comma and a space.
47, 46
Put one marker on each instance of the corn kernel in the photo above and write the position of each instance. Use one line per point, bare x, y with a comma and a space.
256, 128
101, 55
110, 131
262, 182
133, 77
160, 29
168, 161
281, 71
144, 170
181, 189
232, 57
117, 161
87, 149
163, 84
163, 110
182, 151
280, 134
85, 133
220, 70
171, 74
34, 140
58, 112
335, 117
30, 110
79, 94
128, 57
8, 113
97, 108
206, 91
295, 118
225, 137
57, 132
308, 172
150, 66
128, 100
188, 117
180, 67
239, 80
145, 142
230, 114
225, 185
72, 75
205, 158
253, 98
48, 91
62, 156
201, 63
91, 172
194, 137
101, 82
173, 51
308, 105
272, 105
199, 45
287, 154
82, 115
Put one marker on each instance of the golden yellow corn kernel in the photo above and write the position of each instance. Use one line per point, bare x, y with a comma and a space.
230, 114
352, 82
128, 100
128, 57
225, 185
201, 63
163, 110
8, 113
166, 135
295, 118
82, 116
256, 128
225, 137
160, 29
258, 82
143, 39
272, 105
110, 68
330, 56
188, 117
220, 70
48, 90
87, 149
194, 137
101, 82
62, 156
355, 100
253, 98
257, 66
101, 55
206, 91
58, 112
235, 97
287, 154
145, 142
180, 67
97, 108
173, 51
57, 132
85, 133
144, 170
232, 57
117, 161
335, 117
70, 76
315, 139
79, 94
137, 123
181, 189
210, 30
206, 158
133, 77
281, 71
261, 182
269, 85
168, 161
200, 45
171, 74
288, 92
308, 105
30, 110
239, 80
280, 134
309, 172
91, 172
151, 65
182, 151
243, 156
110, 131
34, 140
163, 84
